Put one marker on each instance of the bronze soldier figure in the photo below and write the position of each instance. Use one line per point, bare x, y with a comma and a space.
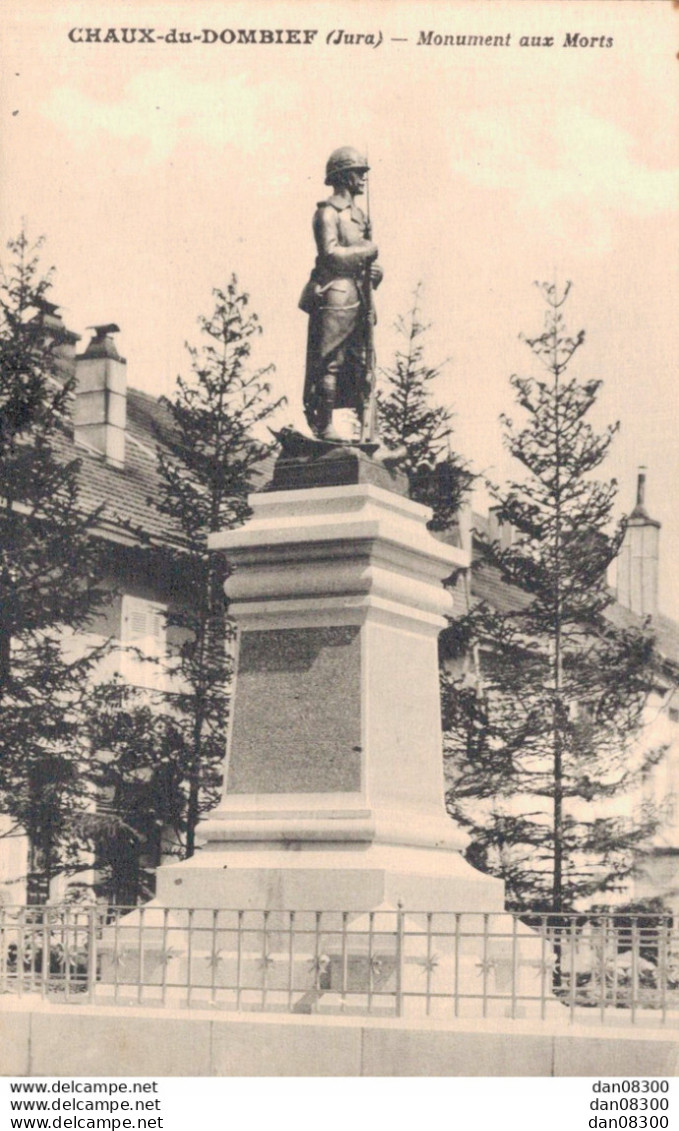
336, 298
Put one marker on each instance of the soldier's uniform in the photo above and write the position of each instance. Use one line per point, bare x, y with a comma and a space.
335, 300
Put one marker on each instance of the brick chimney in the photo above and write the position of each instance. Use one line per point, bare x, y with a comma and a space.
637, 582
101, 396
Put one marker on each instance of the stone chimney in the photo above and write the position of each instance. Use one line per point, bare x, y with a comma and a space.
464, 527
63, 341
498, 531
637, 587
100, 405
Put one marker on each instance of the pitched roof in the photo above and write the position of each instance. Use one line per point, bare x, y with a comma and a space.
127, 493
487, 585
127, 496
665, 631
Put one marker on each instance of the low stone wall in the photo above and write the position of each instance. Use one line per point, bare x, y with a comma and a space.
62, 1040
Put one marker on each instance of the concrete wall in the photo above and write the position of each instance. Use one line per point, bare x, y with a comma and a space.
95, 1041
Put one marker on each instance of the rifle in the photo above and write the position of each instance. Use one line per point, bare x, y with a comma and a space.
369, 414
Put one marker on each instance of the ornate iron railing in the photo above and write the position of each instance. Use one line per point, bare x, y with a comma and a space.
610, 968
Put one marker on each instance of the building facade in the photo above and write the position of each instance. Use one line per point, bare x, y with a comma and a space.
115, 434
116, 431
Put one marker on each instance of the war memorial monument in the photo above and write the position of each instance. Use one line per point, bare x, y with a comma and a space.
332, 825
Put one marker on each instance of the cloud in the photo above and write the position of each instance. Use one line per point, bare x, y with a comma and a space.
158, 109
579, 172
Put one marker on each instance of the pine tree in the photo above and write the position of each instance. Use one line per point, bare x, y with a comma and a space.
548, 736
49, 565
206, 466
418, 429
138, 773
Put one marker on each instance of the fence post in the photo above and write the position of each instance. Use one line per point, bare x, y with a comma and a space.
345, 962
4, 947
664, 938
239, 958
458, 924
543, 966
46, 955
635, 969
605, 924
93, 921
515, 963
399, 959
573, 977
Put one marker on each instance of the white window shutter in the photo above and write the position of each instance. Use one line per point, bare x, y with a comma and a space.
143, 628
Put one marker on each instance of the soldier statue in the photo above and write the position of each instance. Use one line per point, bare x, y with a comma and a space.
338, 299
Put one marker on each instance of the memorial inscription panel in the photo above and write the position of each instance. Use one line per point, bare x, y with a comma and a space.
307, 739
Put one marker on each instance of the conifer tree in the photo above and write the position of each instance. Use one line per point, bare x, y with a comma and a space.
546, 737
139, 778
419, 430
206, 466
49, 564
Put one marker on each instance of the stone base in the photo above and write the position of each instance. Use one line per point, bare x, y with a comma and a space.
385, 962
351, 878
344, 899
332, 815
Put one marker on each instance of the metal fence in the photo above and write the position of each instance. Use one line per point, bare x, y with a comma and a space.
602, 968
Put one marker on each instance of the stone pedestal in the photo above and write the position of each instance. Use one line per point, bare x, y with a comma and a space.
331, 878
334, 788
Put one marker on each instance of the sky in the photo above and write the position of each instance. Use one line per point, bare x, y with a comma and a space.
155, 170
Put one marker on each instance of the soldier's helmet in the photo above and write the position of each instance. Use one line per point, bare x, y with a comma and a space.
341, 160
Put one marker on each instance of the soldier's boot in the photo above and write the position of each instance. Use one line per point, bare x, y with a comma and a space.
324, 411
327, 432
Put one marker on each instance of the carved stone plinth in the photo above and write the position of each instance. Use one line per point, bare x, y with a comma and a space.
334, 783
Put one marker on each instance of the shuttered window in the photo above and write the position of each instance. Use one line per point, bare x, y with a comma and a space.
142, 630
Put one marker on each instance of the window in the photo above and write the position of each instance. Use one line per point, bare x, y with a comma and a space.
142, 629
